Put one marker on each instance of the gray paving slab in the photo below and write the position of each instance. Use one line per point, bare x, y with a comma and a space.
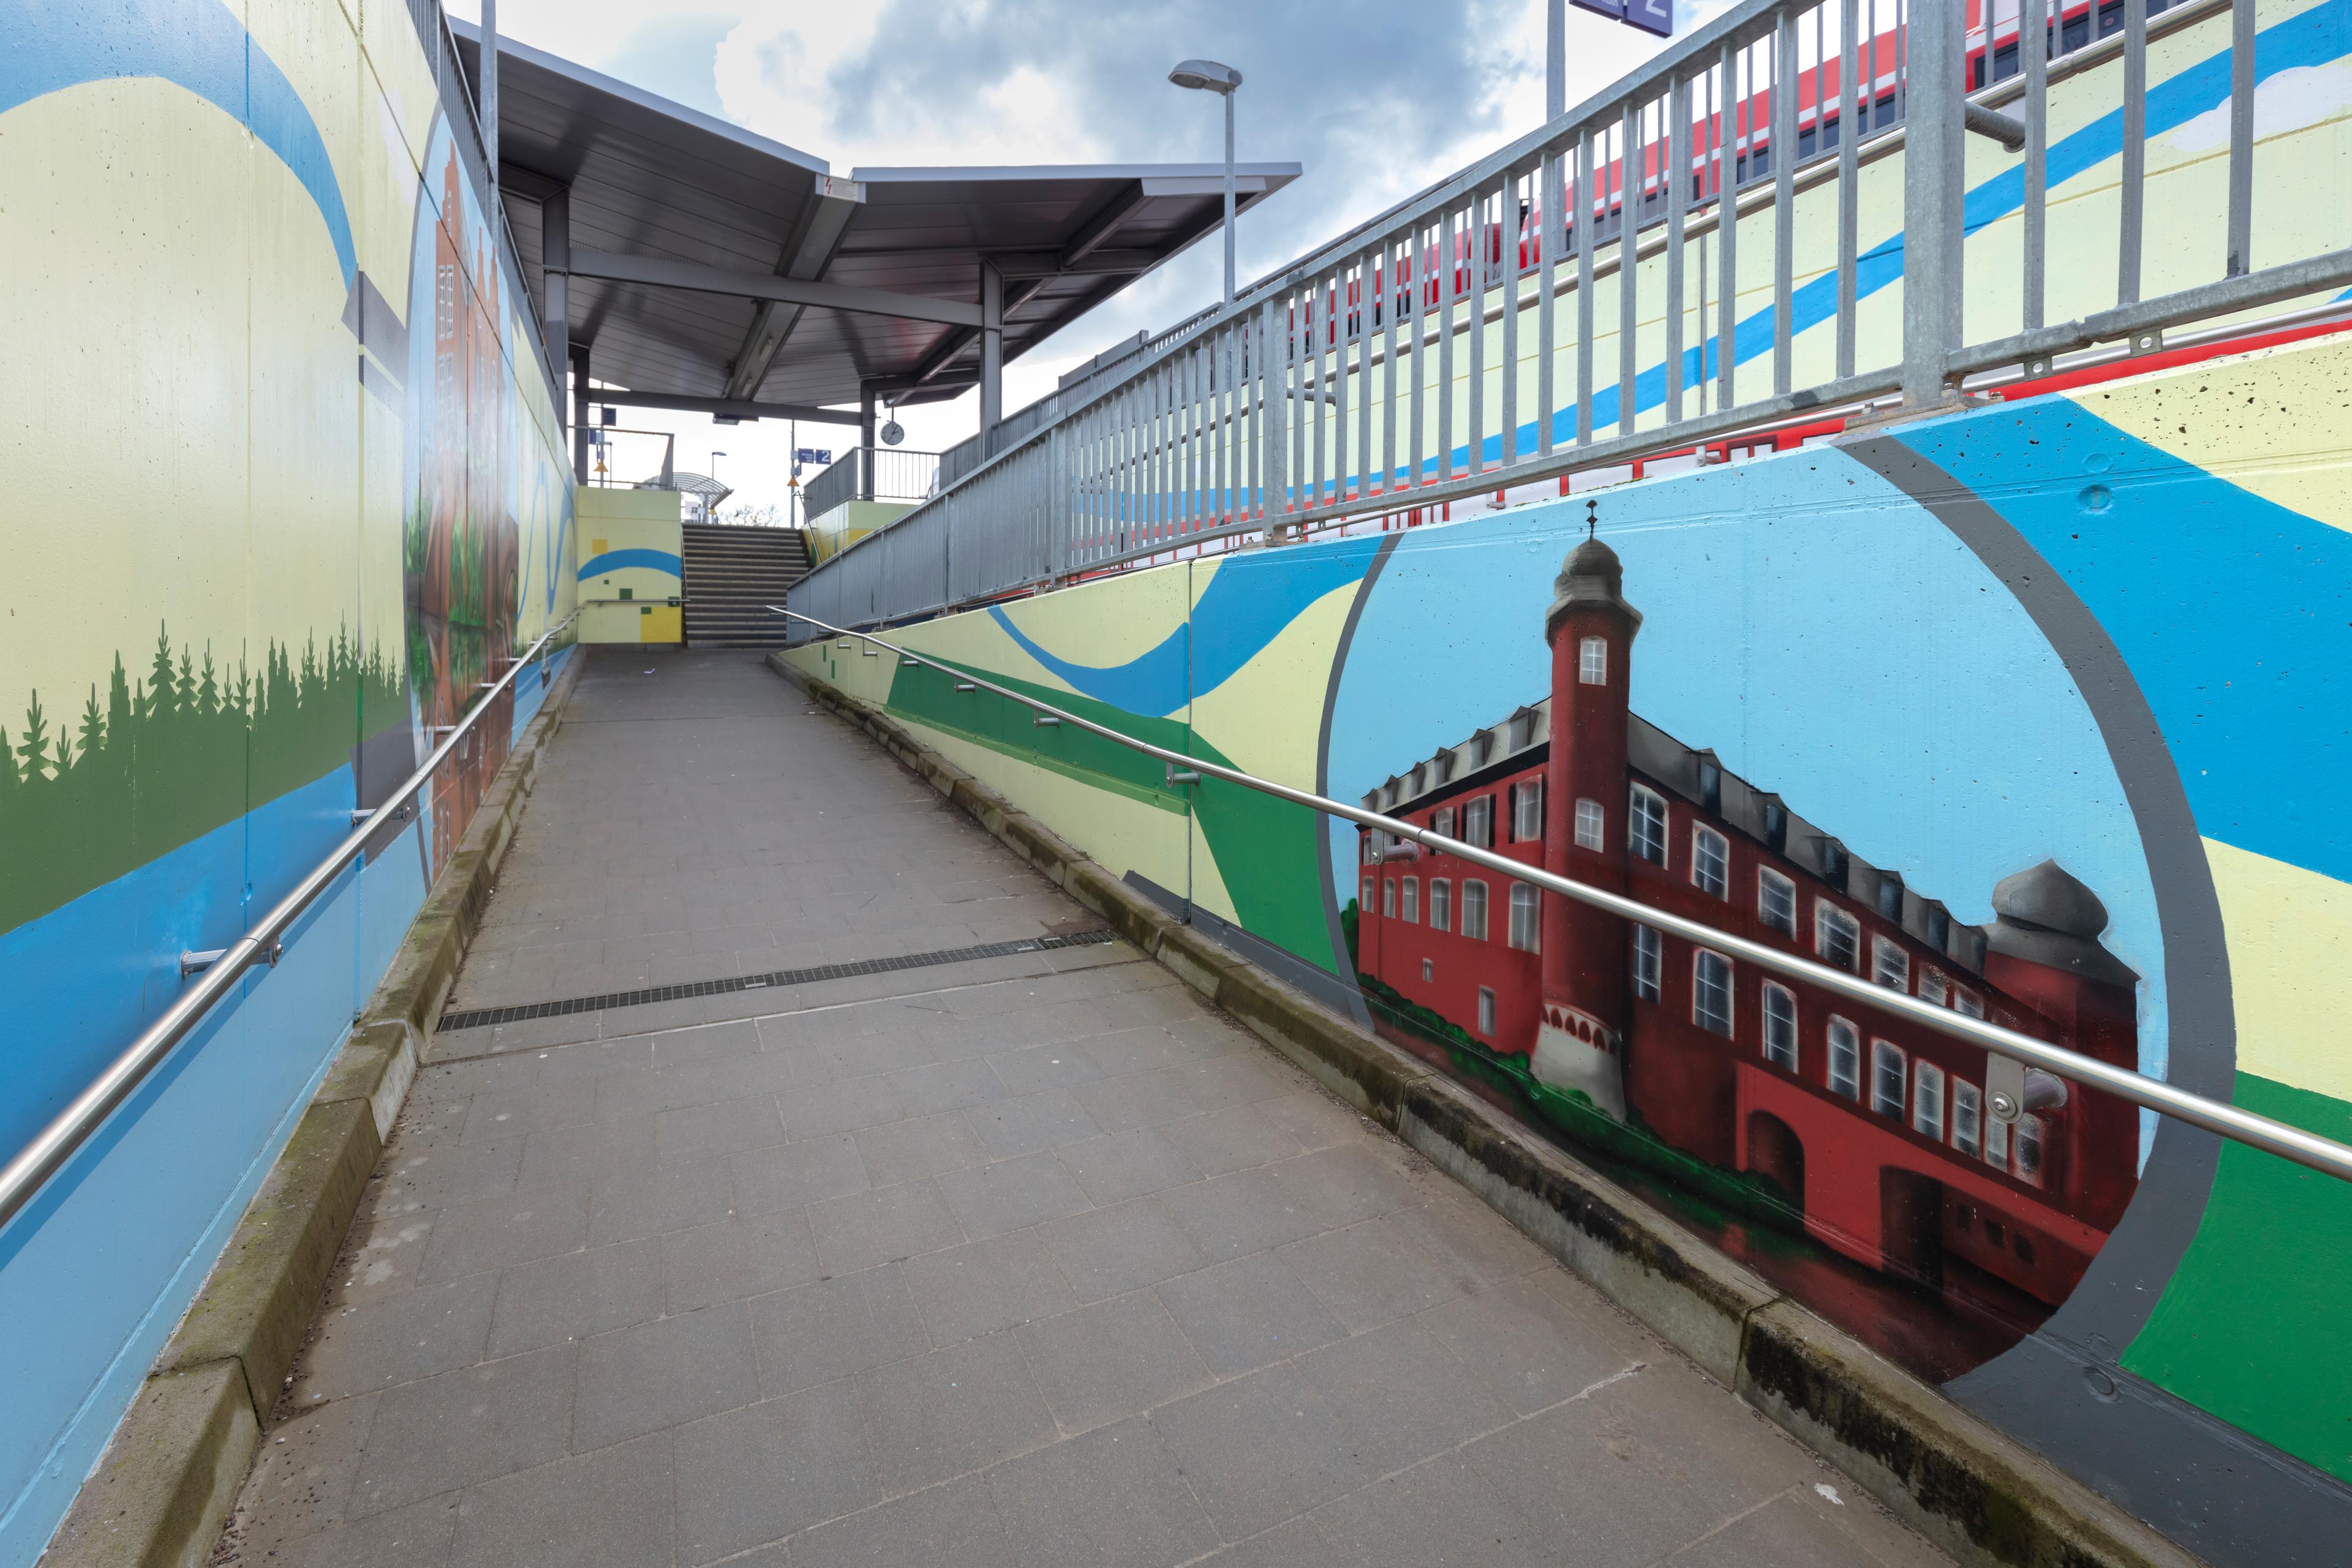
1020, 1261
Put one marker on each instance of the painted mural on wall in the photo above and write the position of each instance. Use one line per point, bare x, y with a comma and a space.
296, 488
1918, 705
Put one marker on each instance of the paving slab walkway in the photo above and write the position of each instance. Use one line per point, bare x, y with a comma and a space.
1030, 1259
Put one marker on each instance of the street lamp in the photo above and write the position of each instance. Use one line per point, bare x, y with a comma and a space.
1208, 76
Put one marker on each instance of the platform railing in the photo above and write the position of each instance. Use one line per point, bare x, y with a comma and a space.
217, 973
1620, 284
2006, 1105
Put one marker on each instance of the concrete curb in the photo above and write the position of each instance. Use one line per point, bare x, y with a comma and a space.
1976, 1493
171, 1473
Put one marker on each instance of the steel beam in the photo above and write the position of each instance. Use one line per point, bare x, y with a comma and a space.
992, 352
555, 256
1105, 223
728, 407
579, 357
806, 255
1026, 264
660, 272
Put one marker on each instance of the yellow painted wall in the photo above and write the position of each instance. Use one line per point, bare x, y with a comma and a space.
628, 567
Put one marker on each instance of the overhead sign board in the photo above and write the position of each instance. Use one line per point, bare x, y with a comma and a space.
812, 454
1650, 15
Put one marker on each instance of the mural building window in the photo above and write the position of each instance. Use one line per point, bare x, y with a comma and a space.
1388, 898
1779, 1027
1473, 910
1440, 904
1845, 1060
1486, 1009
1890, 965
1967, 1000
1710, 862
1410, 909
1527, 811
2029, 1149
1645, 824
1711, 991
1592, 661
1366, 906
1478, 822
1429, 969
1590, 833
1931, 985
1525, 917
1837, 936
1886, 1079
1928, 1100
1441, 821
1776, 901
1649, 963
1996, 1142
1968, 1118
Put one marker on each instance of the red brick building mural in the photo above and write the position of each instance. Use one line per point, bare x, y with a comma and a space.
1875, 1130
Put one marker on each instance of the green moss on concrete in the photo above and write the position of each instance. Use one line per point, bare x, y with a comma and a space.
168, 1479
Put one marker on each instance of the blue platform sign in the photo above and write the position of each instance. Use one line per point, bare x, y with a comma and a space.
1650, 15
812, 454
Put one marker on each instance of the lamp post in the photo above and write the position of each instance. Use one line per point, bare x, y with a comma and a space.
711, 509
1208, 76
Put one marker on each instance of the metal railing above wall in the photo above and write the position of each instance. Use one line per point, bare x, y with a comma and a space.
1454, 347
872, 473
218, 973
2288, 1143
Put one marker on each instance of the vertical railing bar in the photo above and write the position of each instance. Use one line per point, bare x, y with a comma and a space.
1849, 166
1289, 409
2134, 163
2036, 56
1417, 280
1553, 195
1365, 270
1448, 286
1339, 336
2241, 138
1675, 171
1482, 280
1628, 210
1784, 201
1584, 222
1512, 237
1317, 318
1726, 231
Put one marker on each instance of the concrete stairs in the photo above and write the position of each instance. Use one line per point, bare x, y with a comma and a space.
731, 575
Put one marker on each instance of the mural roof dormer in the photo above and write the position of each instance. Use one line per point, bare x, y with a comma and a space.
2046, 915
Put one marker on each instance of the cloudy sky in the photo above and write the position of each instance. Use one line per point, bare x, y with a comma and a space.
1375, 99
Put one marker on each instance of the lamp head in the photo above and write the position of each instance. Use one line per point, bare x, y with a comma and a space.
1207, 75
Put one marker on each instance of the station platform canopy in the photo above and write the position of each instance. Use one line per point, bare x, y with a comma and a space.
704, 268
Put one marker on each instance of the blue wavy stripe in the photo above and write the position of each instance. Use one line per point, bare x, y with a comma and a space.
198, 45
615, 560
1249, 602
2233, 613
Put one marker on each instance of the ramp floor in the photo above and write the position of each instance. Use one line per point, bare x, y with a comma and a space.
942, 1230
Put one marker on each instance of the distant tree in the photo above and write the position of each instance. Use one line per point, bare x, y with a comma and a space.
93, 727
117, 704
34, 748
208, 688
765, 515
160, 695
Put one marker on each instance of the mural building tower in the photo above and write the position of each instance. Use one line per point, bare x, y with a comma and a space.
1580, 1042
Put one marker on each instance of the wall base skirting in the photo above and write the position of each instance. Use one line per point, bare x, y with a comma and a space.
171, 1473
1973, 1491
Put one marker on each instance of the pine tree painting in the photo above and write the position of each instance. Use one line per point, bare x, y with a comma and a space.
172, 757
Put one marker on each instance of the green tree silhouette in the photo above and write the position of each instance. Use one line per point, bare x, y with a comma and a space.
37, 741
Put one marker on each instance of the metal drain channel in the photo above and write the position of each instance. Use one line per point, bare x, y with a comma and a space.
484, 1017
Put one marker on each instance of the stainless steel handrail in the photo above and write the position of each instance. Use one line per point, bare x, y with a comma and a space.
2319, 1153
55, 1144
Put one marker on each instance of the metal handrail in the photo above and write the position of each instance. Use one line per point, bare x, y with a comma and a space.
73, 1127
2321, 1154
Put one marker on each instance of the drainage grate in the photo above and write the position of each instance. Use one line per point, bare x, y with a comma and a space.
483, 1018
